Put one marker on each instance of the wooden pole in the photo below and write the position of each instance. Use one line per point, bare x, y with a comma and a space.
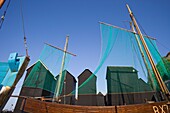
143, 56
1, 3
157, 75
61, 49
58, 85
125, 29
19, 75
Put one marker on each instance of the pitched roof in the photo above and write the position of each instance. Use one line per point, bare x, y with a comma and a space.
168, 54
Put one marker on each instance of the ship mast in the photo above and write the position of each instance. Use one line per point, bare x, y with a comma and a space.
155, 70
58, 84
143, 56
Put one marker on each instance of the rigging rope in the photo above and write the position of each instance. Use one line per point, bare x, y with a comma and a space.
148, 38
134, 50
130, 37
23, 27
163, 46
156, 50
3, 16
138, 57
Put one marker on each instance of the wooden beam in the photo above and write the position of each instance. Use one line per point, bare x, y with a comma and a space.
60, 49
1, 3
18, 76
126, 30
155, 70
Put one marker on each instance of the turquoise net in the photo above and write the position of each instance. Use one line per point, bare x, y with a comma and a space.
120, 47
44, 72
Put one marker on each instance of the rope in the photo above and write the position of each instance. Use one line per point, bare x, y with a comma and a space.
165, 64
148, 38
140, 62
132, 46
3, 16
134, 50
23, 28
163, 46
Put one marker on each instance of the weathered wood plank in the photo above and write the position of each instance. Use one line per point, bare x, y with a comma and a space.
34, 106
159, 107
1, 3
18, 76
37, 106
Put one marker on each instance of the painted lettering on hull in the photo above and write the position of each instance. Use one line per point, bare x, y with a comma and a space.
161, 109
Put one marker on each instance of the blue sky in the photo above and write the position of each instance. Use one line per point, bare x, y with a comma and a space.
51, 20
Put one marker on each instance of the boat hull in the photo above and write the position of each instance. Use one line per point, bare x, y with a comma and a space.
31, 105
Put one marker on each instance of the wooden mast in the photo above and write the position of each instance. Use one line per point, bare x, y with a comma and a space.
18, 77
143, 56
58, 85
157, 74
1, 3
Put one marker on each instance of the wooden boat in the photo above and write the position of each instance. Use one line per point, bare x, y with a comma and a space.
32, 105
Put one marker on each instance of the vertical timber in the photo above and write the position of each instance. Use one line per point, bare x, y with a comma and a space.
143, 56
58, 88
157, 74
